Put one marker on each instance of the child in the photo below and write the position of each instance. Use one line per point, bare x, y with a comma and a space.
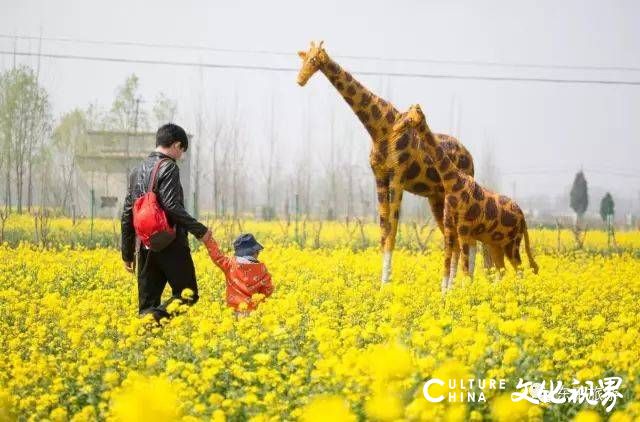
244, 273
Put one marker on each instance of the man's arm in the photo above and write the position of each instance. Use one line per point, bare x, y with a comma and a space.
127, 246
169, 196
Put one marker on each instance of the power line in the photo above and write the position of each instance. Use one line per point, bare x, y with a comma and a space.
352, 57
291, 69
500, 64
151, 45
558, 171
156, 62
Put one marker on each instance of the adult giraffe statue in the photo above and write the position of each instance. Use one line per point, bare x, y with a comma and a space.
394, 164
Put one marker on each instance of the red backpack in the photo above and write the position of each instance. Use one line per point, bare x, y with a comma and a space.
150, 220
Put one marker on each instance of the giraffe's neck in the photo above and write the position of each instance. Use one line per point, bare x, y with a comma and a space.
449, 173
376, 114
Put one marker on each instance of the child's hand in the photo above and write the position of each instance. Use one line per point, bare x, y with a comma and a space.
206, 237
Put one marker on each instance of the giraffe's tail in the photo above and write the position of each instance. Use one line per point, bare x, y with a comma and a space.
527, 248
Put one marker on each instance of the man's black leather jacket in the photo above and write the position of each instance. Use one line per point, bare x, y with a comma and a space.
171, 198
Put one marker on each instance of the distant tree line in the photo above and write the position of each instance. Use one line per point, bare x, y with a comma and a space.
39, 160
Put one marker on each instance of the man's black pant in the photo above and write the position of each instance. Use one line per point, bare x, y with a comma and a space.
172, 264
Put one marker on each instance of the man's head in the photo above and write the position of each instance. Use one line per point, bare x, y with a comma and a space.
172, 140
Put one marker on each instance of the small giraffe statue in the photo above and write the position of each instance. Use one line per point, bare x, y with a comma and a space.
470, 212
396, 167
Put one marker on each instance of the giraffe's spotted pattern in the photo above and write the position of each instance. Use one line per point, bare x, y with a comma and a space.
400, 162
471, 211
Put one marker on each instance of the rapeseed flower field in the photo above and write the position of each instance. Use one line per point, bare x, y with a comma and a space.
329, 345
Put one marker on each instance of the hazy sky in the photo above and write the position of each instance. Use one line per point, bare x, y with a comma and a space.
540, 133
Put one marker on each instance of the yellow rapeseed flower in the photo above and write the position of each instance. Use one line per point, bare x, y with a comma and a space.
144, 399
587, 415
327, 408
504, 409
384, 407
329, 336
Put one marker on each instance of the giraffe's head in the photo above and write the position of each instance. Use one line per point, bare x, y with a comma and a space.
411, 118
311, 62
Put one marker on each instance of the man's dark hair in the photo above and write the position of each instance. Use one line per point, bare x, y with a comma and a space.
170, 133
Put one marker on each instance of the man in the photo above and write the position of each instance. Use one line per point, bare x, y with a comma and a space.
173, 263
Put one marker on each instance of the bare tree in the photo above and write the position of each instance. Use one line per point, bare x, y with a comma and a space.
164, 109
167, 109
348, 162
235, 151
224, 167
216, 133
5, 146
37, 131
331, 169
302, 169
269, 162
96, 117
126, 114
488, 172
69, 140
25, 119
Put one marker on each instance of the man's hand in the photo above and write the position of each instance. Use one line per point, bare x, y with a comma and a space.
130, 266
206, 237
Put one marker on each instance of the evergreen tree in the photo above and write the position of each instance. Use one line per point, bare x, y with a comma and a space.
606, 207
579, 196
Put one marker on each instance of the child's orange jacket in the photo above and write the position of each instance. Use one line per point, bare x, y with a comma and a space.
244, 278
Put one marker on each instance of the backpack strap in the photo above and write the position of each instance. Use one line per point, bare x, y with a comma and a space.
154, 174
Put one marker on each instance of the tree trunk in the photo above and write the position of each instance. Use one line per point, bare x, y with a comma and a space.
29, 185
8, 179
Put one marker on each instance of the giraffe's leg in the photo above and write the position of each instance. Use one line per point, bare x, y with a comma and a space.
455, 254
472, 257
513, 255
487, 256
497, 258
450, 244
382, 187
512, 251
395, 200
465, 252
386, 266
455, 260
436, 203
450, 247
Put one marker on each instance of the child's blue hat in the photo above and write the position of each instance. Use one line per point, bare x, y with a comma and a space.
246, 245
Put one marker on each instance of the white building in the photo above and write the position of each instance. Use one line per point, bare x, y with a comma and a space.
105, 166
